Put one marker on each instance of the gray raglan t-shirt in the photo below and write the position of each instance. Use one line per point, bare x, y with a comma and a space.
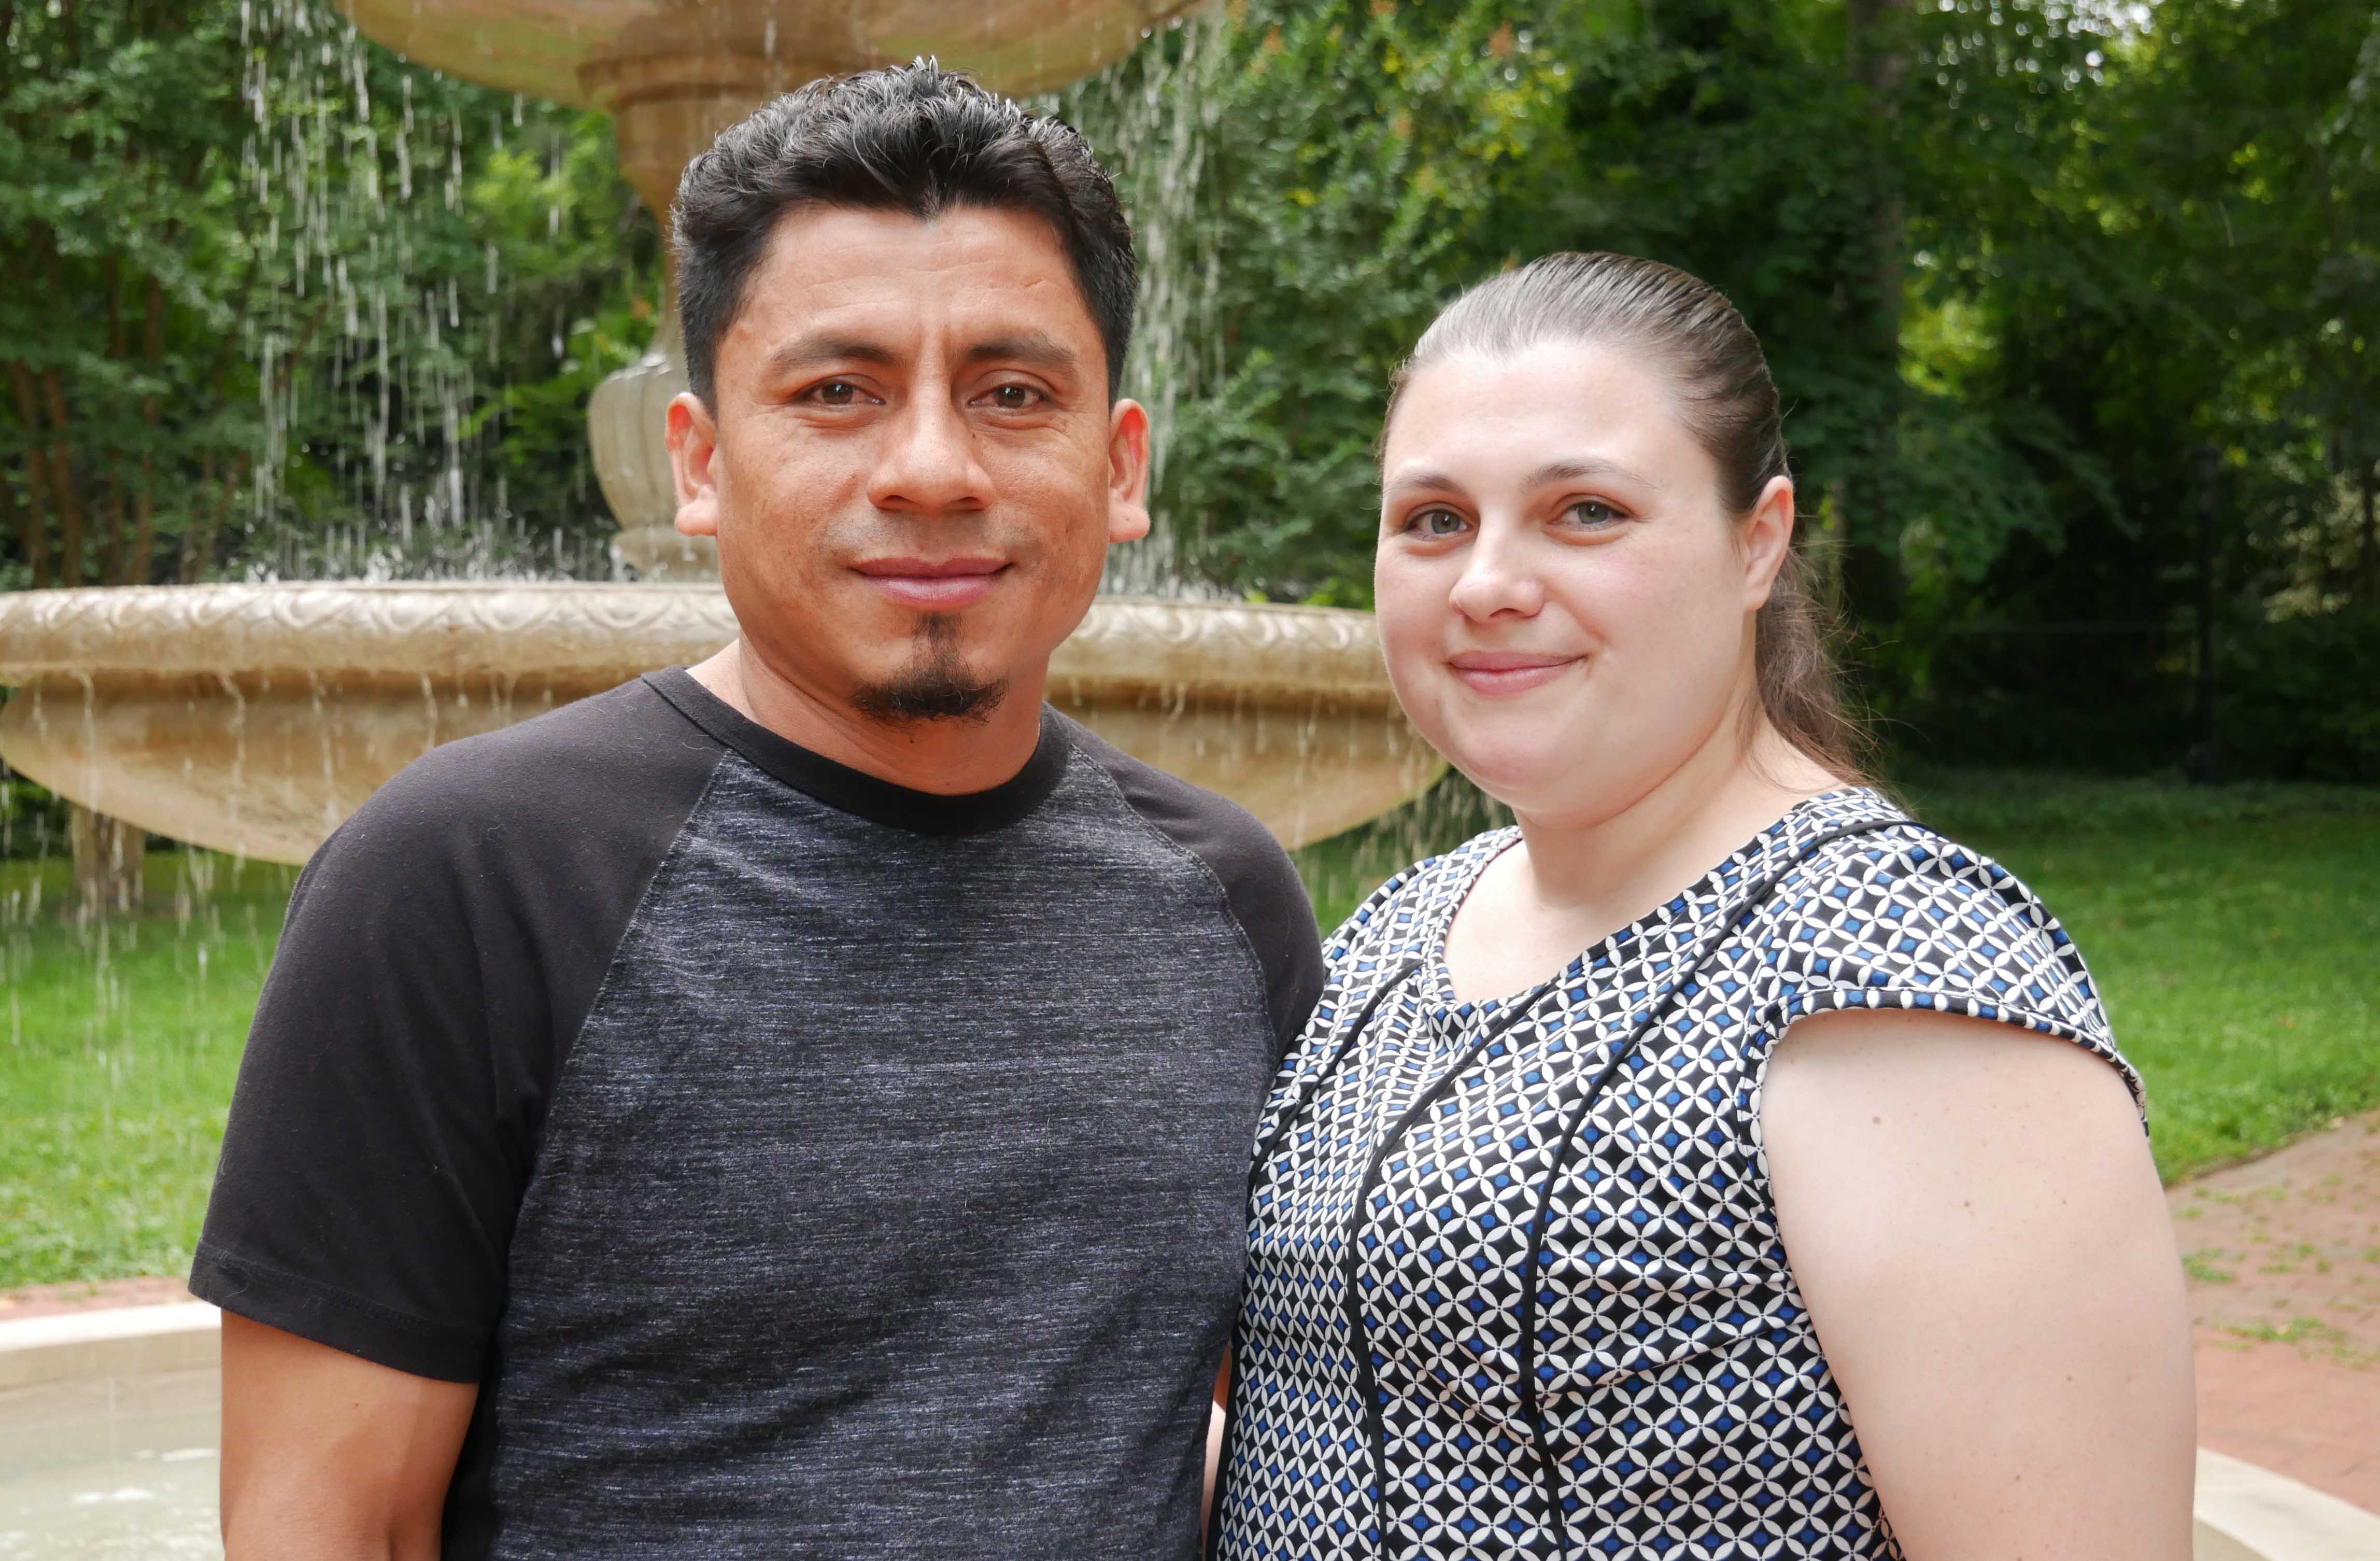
802, 1165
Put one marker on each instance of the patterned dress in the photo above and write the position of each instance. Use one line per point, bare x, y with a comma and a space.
1515, 1285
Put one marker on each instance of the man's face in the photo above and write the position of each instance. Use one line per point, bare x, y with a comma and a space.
912, 465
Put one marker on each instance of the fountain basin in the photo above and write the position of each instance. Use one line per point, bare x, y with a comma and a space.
108, 1428
254, 718
571, 50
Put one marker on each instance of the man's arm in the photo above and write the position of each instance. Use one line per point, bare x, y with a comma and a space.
327, 1456
1217, 1416
1976, 1225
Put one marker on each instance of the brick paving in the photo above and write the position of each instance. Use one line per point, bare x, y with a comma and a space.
2283, 1256
48, 1300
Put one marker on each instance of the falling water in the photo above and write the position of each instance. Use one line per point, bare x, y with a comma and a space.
384, 454
1150, 118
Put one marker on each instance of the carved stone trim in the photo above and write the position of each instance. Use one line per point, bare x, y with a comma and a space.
590, 633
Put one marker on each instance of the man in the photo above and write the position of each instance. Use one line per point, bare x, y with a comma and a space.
797, 1107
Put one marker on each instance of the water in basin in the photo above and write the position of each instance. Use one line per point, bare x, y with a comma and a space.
110, 1468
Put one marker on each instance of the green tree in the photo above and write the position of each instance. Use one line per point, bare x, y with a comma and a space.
280, 303
129, 409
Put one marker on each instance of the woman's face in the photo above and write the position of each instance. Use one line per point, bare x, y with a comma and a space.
1565, 603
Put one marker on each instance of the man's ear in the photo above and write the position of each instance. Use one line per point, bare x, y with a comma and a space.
693, 443
1767, 537
1127, 473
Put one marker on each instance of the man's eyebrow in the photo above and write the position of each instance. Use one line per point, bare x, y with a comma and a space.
806, 352
1037, 348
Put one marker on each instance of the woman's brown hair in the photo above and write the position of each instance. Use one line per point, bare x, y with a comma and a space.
1731, 410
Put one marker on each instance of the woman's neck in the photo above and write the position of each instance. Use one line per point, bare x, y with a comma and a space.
1624, 863
1580, 877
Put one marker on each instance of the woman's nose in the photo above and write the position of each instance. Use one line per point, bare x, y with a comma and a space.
1496, 579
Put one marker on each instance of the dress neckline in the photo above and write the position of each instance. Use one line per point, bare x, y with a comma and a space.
1469, 862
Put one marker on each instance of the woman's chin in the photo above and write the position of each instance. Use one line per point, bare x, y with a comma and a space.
1532, 780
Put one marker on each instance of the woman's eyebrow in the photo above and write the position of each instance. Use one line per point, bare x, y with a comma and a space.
1588, 469
1577, 468
1423, 482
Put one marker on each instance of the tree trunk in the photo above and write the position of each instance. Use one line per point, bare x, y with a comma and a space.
145, 502
2368, 551
110, 568
107, 857
34, 523
198, 541
1877, 57
62, 484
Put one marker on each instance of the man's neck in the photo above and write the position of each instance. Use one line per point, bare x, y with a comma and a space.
951, 758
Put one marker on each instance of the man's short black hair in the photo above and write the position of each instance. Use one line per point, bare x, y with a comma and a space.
915, 138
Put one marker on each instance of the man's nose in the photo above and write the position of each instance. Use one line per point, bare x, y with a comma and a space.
928, 466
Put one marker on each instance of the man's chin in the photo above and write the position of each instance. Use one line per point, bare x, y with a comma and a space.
940, 688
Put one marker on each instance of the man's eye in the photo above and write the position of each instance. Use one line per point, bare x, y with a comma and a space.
835, 392
1591, 512
1015, 398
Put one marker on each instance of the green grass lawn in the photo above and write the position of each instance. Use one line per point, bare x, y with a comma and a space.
2234, 934
2235, 931
118, 1042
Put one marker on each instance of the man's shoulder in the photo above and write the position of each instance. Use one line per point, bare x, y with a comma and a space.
558, 782
1261, 888
1211, 827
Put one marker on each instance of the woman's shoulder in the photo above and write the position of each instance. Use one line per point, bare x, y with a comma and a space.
1898, 915
1395, 917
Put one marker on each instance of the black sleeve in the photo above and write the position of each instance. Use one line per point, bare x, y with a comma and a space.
1271, 901
441, 951
1259, 881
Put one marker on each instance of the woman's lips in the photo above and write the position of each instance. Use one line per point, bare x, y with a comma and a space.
1508, 672
939, 584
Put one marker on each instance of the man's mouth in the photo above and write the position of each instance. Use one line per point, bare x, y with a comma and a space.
1508, 672
939, 585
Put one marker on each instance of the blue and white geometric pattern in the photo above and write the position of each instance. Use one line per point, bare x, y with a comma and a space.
1495, 1311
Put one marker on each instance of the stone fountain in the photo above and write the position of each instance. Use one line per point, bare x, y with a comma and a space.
254, 718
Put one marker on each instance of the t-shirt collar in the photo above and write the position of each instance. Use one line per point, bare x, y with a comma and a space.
856, 791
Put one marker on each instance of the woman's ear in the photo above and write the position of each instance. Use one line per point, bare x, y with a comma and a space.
1767, 536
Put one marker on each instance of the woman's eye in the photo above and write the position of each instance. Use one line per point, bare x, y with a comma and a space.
1591, 512
1438, 523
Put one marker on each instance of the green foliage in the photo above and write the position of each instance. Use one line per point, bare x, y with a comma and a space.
1354, 150
2300, 696
122, 242
286, 304
2011, 261
281, 302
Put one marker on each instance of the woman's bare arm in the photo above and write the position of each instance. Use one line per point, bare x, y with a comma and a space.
1976, 1225
329, 1458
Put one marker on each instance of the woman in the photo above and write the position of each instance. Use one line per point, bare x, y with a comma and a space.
1808, 1210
